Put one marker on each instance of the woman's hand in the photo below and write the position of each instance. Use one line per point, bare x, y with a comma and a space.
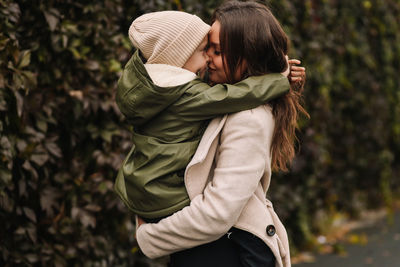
297, 75
286, 73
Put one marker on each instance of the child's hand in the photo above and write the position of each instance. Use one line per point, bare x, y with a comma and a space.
139, 221
297, 75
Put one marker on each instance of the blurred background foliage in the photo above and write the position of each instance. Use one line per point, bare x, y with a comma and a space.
63, 138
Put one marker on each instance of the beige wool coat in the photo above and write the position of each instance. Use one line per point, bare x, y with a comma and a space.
227, 180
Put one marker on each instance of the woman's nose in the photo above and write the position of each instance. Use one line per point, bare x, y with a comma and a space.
207, 57
208, 52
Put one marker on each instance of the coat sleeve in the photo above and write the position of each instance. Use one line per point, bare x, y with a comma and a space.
221, 99
243, 153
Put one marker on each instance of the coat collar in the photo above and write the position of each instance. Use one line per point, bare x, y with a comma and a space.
213, 129
196, 173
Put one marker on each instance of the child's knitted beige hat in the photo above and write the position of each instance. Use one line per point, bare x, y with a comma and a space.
168, 37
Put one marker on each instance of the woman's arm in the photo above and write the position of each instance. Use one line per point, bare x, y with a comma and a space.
242, 156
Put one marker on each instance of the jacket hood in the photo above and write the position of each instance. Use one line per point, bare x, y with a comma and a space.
166, 75
139, 98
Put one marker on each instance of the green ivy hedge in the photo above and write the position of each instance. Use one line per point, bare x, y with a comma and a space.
350, 148
62, 137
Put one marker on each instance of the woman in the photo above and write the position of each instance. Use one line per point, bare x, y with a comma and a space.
229, 222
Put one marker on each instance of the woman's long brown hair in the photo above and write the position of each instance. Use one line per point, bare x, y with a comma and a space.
251, 34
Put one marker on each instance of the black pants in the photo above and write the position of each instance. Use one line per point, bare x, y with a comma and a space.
238, 248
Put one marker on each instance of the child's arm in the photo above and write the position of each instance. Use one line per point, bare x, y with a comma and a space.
229, 98
139, 100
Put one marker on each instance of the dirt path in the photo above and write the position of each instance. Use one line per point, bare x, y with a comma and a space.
382, 248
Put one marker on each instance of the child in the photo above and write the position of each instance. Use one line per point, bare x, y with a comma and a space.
169, 108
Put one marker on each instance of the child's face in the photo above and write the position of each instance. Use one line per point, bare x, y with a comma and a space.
197, 63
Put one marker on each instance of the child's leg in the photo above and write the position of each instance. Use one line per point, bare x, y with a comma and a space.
253, 252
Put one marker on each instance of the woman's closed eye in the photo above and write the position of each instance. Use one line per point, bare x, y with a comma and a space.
214, 50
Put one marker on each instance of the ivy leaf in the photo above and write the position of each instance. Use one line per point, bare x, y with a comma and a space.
27, 166
32, 232
22, 188
25, 60
92, 65
114, 66
20, 100
53, 149
30, 78
42, 125
93, 207
40, 159
2, 80
30, 214
107, 135
6, 203
32, 258
83, 216
87, 219
14, 12
48, 200
5, 177
52, 20
64, 40
75, 52
20, 231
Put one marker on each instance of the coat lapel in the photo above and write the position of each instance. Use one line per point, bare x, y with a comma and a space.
198, 169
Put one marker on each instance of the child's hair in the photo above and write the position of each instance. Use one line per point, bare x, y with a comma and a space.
167, 37
251, 34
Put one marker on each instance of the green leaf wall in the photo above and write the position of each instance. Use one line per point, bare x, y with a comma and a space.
62, 137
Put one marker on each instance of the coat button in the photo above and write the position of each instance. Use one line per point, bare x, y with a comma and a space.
271, 230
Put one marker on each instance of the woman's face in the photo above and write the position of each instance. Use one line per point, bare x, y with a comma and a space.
216, 69
217, 72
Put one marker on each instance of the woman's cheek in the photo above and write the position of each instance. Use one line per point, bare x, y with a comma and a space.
218, 77
219, 64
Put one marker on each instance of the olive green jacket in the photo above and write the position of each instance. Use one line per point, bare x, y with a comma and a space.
168, 123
